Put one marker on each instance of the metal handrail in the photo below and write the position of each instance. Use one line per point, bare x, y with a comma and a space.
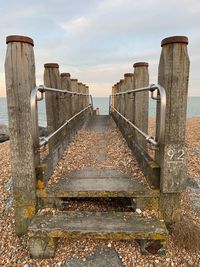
42, 88
33, 103
161, 97
45, 140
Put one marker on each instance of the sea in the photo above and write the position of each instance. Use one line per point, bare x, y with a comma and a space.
193, 108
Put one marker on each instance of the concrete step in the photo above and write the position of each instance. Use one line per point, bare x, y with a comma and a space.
91, 182
45, 229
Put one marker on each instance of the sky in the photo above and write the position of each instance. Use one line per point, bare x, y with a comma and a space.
97, 41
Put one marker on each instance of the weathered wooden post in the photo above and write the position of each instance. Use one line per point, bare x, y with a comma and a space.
53, 106
121, 97
129, 105
66, 103
117, 103
74, 88
84, 97
113, 97
87, 97
121, 102
75, 107
141, 101
79, 98
128, 85
87, 100
20, 80
65, 109
173, 76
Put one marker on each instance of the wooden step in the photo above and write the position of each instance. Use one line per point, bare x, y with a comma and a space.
103, 225
91, 182
44, 229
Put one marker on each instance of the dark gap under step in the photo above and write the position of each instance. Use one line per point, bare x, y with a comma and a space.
98, 204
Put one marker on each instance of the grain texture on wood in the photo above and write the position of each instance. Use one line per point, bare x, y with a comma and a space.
91, 182
172, 155
113, 97
87, 97
20, 80
53, 100
74, 88
100, 225
66, 98
121, 97
129, 98
141, 100
173, 76
79, 99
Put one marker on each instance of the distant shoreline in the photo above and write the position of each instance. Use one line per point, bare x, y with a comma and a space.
193, 108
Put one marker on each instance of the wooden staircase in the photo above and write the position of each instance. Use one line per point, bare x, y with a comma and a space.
93, 183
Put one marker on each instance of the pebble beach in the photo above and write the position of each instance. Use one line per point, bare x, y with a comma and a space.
13, 250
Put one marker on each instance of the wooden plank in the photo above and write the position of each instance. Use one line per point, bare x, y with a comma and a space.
99, 225
20, 80
91, 182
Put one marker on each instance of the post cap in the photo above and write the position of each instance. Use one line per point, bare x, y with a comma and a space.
121, 81
65, 74
74, 80
51, 65
128, 75
174, 39
19, 38
79, 83
140, 64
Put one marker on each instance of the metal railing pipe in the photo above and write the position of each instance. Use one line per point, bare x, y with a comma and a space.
46, 139
43, 88
34, 99
160, 97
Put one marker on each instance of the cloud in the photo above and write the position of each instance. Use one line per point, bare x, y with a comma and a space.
77, 25
98, 41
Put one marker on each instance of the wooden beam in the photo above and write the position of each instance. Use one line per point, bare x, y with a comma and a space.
172, 154
141, 101
52, 80
20, 80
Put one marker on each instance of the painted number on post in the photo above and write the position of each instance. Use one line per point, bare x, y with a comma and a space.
176, 155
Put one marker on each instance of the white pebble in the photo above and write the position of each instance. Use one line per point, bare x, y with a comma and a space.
138, 211
109, 245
